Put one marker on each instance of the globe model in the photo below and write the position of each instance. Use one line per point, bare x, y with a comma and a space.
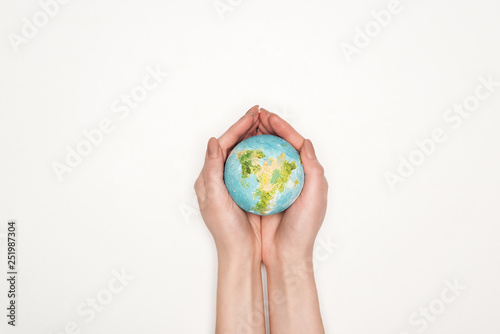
264, 174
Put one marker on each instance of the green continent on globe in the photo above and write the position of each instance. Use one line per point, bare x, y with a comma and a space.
272, 176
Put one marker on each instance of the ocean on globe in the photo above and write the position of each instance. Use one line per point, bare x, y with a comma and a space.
264, 174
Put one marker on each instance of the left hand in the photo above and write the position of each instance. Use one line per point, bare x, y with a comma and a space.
288, 237
235, 231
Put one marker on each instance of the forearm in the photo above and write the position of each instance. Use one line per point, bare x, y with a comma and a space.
293, 298
240, 305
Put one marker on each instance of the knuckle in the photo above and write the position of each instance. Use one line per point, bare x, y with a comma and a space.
197, 186
319, 169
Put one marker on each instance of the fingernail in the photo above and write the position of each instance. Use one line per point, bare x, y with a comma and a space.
267, 112
255, 106
213, 148
253, 113
248, 114
309, 148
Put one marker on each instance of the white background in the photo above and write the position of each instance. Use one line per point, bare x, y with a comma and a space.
130, 203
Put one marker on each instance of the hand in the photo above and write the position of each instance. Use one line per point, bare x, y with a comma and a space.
240, 305
288, 239
235, 231
289, 236
281, 241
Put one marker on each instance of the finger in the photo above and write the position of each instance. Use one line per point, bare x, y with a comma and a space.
213, 170
264, 122
252, 131
286, 131
213, 173
254, 127
315, 182
238, 129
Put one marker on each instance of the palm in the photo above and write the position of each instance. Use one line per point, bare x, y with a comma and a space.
296, 227
289, 228
243, 239
246, 225
229, 224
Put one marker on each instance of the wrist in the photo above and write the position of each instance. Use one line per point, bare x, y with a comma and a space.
291, 273
239, 256
287, 259
293, 297
239, 292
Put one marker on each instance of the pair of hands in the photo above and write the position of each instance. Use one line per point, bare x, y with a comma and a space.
286, 237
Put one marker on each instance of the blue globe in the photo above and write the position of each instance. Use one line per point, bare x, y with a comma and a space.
264, 174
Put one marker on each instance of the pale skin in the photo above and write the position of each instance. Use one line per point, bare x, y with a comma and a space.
283, 242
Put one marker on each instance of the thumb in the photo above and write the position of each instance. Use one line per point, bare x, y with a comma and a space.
213, 170
315, 182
